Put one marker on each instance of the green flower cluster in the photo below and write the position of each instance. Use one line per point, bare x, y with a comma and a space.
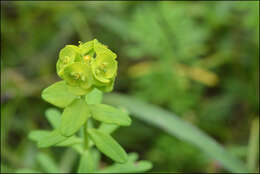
87, 66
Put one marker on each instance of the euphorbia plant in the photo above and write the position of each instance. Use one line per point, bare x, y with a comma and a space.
85, 124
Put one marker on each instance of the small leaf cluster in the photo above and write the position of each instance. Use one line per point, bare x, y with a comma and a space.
87, 70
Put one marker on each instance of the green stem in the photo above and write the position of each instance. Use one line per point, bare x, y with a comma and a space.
86, 141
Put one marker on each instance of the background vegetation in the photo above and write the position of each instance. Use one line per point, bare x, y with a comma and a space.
198, 60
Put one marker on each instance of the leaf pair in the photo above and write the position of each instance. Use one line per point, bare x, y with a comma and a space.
76, 115
77, 111
104, 142
62, 95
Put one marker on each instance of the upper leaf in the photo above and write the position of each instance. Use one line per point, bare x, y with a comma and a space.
109, 114
107, 145
74, 116
79, 91
94, 97
41, 136
58, 94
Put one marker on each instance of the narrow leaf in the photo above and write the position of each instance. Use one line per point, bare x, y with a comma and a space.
51, 139
38, 135
70, 141
58, 94
96, 156
109, 114
43, 135
107, 128
107, 145
74, 116
54, 117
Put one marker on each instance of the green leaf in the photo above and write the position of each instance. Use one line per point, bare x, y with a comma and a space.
51, 139
58, 94
177, 127
94, 97
107, 145
107, 128
131, 166
96, 157
43, 135
109, 114
87, 164
73, 117
78, 91
37, 135
47, 163
54, 117
70, 141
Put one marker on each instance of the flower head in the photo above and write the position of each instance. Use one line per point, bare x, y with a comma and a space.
88, 65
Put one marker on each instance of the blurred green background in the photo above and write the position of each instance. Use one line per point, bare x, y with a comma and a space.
199, 60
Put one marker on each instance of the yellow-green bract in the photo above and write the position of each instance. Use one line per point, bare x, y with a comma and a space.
87, 66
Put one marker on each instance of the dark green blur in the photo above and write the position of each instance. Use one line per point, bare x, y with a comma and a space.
199, 60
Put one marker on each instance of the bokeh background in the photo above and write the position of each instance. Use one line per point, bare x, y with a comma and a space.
199, 60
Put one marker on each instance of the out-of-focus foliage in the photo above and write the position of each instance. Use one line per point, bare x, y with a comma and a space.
196, 59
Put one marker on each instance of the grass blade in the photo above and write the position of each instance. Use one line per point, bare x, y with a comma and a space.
177, 127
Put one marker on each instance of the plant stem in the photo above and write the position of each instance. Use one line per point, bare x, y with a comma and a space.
85, 136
